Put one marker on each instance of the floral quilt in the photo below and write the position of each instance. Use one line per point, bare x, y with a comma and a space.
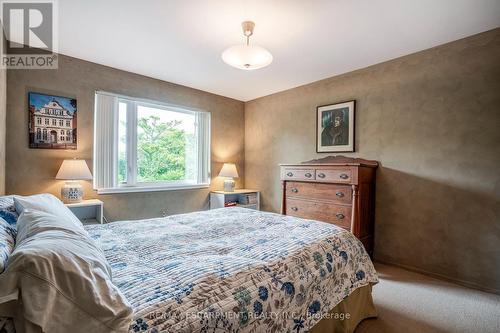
232, 270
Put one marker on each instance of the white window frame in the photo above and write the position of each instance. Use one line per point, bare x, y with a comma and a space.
131, 184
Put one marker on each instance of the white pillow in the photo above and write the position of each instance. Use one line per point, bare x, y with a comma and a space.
35, 222
46, 203
64, 275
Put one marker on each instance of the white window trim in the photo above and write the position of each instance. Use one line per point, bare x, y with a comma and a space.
151, 188
204, 158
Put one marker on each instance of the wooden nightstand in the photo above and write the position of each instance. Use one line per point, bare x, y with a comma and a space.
88, 211
243, 198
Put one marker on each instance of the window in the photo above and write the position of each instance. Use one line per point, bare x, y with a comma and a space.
54, 122
61, 123
152, 145
38, 120
47, 121
68, 123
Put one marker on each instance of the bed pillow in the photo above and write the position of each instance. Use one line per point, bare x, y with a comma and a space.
7, 242
65, 276
46, 203
7, 209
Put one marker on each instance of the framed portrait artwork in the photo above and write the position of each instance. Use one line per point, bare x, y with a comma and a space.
335, 127
52, 121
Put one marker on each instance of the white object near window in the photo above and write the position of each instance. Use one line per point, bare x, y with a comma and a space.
72, 171
229, 171
142, 145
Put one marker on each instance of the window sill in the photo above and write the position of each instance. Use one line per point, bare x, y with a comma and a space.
134, 189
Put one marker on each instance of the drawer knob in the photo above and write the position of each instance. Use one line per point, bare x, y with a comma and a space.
295, 209
289, 174
308, 175
344, 176
340, 194
321, 175
340, 216
294, 190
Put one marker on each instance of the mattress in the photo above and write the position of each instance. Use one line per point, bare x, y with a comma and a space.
232, 270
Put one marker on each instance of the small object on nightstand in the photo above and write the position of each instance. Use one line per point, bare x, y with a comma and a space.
88, 211
238, 198
72, 171
229, 171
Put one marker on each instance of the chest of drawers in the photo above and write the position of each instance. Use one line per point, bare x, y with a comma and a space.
334, 189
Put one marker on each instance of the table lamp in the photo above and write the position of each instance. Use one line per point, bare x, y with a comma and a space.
229, 171
72, 171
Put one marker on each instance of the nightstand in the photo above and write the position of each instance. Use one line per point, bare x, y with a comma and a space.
240, 198
88, 211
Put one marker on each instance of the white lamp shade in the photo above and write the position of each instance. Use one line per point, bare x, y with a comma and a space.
247, 57
228, 170
74, 170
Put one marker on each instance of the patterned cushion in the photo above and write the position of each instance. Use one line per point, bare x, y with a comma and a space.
8, 210
6, 201
9, 214
7, 242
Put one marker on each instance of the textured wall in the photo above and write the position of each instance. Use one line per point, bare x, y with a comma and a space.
3, 113
33, 170
433, 121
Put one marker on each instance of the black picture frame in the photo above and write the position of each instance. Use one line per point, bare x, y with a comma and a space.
335, 127
52, 121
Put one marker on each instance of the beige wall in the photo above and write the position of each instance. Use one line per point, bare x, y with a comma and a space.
433, 121
33, 170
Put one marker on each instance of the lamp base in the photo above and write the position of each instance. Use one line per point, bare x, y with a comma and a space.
72, 192
229, 185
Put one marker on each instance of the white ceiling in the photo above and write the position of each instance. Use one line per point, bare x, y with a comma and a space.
181, 41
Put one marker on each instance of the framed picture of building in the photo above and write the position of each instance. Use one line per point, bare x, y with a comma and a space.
52, 121
335, 127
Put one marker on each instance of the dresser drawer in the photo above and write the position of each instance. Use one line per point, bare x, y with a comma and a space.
321, 211
335, 175
297, 174
336, 193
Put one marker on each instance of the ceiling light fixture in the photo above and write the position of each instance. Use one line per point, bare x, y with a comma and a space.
247, 57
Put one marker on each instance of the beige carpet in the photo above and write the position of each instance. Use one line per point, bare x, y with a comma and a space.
410, 302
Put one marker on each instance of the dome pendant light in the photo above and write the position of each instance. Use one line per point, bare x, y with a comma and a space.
247, 57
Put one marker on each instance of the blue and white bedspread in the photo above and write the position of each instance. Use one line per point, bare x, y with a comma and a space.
232, 270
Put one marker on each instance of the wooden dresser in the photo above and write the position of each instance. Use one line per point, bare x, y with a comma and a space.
334, 189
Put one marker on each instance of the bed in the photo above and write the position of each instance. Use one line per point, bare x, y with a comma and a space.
232, 269
237, 270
